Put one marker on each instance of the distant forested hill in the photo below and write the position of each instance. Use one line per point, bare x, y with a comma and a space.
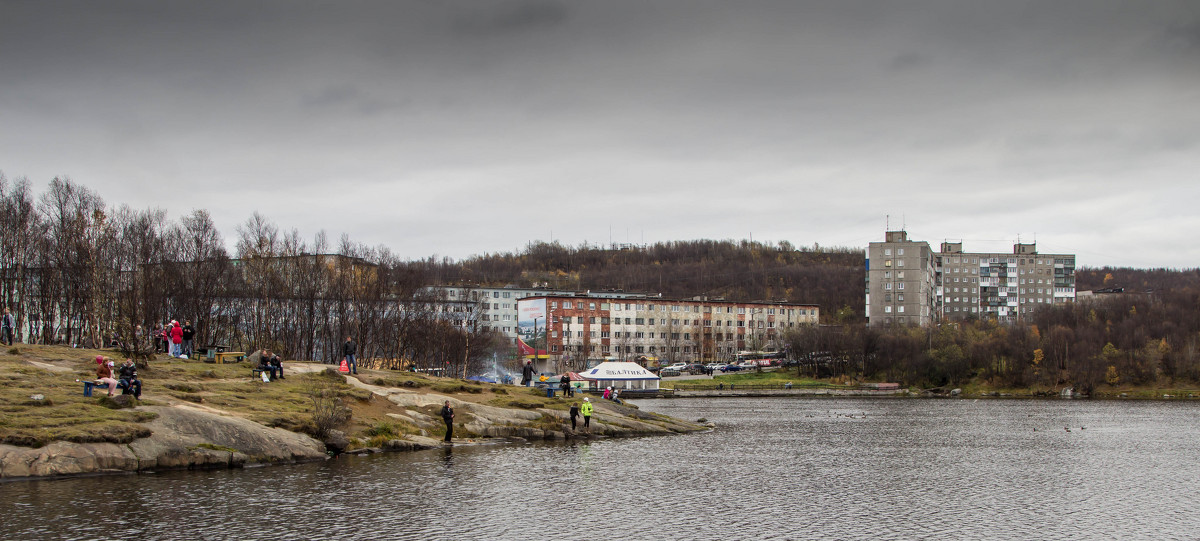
736, 270
832, 278
1136, 280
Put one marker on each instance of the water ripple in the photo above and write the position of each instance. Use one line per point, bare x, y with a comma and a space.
774, 469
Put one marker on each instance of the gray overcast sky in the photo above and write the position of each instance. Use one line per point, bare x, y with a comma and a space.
459, 128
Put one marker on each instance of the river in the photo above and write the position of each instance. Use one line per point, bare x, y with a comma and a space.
774, 468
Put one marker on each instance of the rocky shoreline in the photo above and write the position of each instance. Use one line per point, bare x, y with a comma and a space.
195, 437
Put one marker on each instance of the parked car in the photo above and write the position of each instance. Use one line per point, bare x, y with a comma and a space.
731, 368
697, 368
714, 366
678, 367
748, 364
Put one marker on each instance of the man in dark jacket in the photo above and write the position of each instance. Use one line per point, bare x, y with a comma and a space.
574, 414
527, 373
264, 364
448, 417
349, 349
189, 332
277, 365
565, 384
129, 380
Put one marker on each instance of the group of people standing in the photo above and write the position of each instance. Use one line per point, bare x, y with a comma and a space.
173, 338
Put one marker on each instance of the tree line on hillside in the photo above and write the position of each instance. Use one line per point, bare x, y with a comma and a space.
735, 270
79, 272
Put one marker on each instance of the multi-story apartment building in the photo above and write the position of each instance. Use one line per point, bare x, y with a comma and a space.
1004, 286
571, 330
901, 281
495, 308
957, 285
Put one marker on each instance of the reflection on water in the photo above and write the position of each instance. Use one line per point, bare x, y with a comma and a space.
773, 469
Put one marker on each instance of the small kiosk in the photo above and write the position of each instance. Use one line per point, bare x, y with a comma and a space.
623, 376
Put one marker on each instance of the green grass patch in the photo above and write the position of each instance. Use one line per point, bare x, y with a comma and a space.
450, 388
214, 447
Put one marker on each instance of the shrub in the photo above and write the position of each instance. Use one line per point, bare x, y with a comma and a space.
328, 411
388, 430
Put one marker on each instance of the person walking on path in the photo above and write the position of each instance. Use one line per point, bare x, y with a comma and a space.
448, 417
6, 327
574, 414
527, 374
586, 410
189, 332
349, 349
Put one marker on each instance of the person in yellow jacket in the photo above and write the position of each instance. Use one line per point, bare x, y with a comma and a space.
586, 411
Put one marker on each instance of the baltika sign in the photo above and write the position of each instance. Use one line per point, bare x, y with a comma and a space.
613, 370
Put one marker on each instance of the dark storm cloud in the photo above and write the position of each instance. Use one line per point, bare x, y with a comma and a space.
679, 119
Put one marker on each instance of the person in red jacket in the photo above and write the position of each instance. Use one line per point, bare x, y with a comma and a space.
176, 338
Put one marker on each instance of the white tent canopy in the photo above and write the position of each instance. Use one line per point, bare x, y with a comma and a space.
621, 376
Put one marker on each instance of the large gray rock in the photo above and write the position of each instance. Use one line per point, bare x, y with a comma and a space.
182, 438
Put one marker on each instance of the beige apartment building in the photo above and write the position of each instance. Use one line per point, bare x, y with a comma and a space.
961, 285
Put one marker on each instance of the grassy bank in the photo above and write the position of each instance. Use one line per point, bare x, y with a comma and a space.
63, 413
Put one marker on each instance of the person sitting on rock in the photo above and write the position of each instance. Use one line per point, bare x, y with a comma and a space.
129, 379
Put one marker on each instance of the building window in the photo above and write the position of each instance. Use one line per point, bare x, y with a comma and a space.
899, 251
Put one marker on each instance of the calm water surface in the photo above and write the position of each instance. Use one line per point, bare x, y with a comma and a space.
780, 468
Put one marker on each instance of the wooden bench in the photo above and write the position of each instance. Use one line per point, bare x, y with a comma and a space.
234, 356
